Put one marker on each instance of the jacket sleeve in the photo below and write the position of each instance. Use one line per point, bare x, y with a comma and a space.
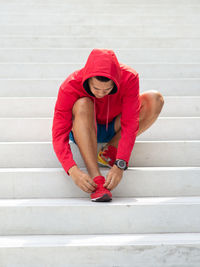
129, 119
62, 125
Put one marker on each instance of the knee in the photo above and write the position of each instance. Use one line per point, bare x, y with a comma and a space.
157, 101
82, 106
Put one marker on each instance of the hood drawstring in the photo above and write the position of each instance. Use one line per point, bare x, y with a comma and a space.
106, 117
95, 115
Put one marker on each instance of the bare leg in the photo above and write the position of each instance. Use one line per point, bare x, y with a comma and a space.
85, 134
151, 106
84, 126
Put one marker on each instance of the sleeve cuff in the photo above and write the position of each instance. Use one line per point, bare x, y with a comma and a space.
68, 166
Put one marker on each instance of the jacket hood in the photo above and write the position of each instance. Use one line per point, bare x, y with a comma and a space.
102, 62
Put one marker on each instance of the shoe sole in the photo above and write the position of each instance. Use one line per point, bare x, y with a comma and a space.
104, 198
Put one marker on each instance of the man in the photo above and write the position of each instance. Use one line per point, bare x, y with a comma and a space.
101, 103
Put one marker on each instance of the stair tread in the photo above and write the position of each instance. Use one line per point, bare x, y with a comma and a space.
85, 201
100, 240
101, 168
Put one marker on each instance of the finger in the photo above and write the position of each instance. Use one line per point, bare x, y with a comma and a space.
91, 181
84, 188
89, 186
92, 184
108, 180
111, 185
115, 182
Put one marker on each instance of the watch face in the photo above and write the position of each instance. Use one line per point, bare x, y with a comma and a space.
121, 164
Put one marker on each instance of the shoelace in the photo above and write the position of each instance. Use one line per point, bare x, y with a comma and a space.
100, 188
100, 183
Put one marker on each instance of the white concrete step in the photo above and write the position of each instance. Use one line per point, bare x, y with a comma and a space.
167, 30
82, 216
40, 129
119, 8
34, 107
144, 154
19, 183
59, 55
104, 2
34, 41
176, 128
62, 70
49, 87
101, 250
97, 19
177, 106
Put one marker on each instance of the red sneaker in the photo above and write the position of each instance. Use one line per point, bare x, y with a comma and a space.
101, 193
107, 157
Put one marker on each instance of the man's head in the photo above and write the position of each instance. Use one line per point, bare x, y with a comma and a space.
100, 86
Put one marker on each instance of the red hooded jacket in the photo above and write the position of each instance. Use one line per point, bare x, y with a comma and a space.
124, 99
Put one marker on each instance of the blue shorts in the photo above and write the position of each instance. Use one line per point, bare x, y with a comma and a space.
102, 135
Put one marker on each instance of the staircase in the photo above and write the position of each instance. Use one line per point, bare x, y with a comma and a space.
154, 217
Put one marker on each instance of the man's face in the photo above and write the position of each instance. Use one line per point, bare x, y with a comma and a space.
99, 88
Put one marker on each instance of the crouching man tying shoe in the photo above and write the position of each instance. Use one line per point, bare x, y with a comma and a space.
100, 103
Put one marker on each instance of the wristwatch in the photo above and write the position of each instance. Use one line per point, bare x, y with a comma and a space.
121, 164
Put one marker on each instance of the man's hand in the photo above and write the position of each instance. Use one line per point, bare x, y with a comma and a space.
82, 179
113, 177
